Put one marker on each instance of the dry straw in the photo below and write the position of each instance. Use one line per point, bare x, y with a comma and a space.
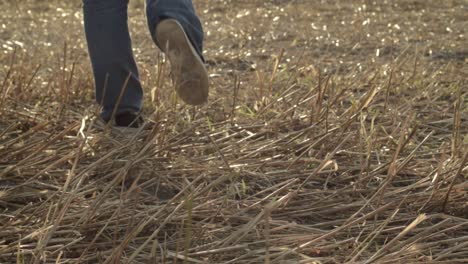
302, 166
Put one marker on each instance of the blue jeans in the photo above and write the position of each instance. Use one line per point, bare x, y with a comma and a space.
110, 47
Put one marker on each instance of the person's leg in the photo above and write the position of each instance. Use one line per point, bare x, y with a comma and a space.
111, 56
177, 31
180, 10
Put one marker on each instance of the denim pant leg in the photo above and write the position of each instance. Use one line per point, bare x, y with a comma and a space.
180, 10
111, 55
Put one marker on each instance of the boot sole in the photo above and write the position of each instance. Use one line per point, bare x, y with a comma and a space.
190, 77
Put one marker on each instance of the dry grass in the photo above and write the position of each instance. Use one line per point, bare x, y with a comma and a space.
335, 133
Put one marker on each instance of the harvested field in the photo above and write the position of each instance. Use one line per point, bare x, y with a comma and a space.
336, 132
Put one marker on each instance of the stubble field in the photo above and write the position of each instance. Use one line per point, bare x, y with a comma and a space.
335, 132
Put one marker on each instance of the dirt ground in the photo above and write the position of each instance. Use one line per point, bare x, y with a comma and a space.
335, 132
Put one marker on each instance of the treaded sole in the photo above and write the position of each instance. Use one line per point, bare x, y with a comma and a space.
189, 73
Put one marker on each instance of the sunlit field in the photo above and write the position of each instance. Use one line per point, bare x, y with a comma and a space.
335, 132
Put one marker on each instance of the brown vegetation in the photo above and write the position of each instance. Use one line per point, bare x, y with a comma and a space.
336, 132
